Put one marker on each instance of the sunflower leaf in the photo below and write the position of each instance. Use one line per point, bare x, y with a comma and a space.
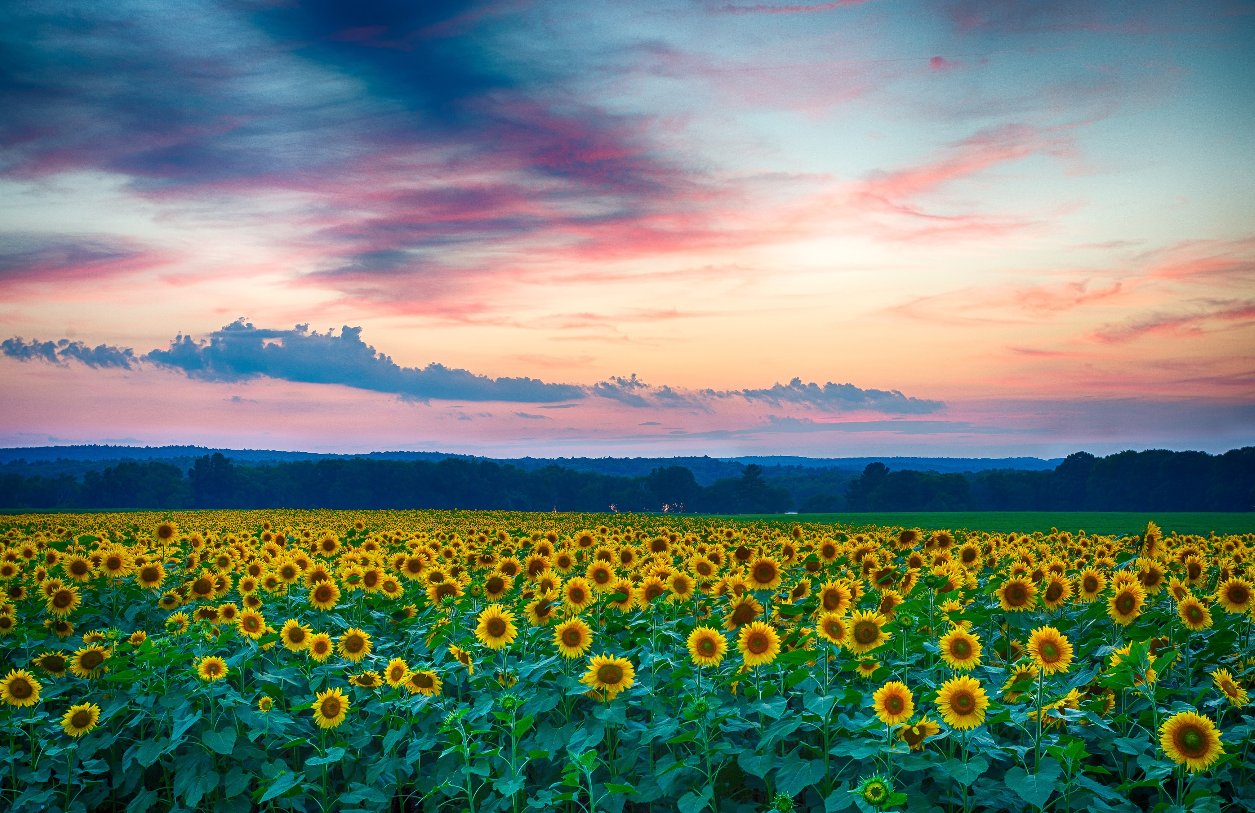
220, 742
1037, 788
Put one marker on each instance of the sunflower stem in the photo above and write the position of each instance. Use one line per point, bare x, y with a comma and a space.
1041, 712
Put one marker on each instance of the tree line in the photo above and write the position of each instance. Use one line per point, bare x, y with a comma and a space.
1154, 480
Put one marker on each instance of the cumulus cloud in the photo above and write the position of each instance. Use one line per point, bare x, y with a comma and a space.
241, 351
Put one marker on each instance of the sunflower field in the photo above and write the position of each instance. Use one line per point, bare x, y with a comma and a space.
492, 661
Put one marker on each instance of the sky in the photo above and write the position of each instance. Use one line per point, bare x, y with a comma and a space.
972, 228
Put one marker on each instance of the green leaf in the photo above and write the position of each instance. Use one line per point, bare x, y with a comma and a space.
694, 802
149, 751
142, 801
839, 799
332, 756
796, 774
1035, 788
967, 774
392, 738
522, 726
508, 787
618, 787
280, 786
221, 742
755, 764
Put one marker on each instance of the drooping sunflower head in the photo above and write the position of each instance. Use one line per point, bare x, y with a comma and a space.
962, 703
354, 644
1020, 680
330, 708
915, 735
496, 628
1192, 740
759, 644
573, 637
707, 646
19, 688
866, 632
54, 663
80, 719
894, 703
424, 682
89, 661
960, 649
1050, 650
608, 675
1233, 691
369, 679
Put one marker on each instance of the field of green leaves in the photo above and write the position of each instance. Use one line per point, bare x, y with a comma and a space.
491, 661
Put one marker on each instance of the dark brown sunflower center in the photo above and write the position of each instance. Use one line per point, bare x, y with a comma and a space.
610, 674
423, 680
21, 688
78, 567
866, 632
62, 599
296, 634
572, 637
764, 572
1049, 652
322, 592
1238, 594
331, 707
960, 649
894, 704
81, 718
758, 643
963, 702
1054, 591
576, 595
495, 584
834, 629
1194, 613
496, 626
91, 659
1191, 742
1090, 584
1016, 594
706, 646
202, 586
1126, 602
354, 643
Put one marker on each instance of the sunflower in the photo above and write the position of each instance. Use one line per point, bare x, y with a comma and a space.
324, 595
369, 679
320, 646
19, 688
742, 611
1050, 650
211, 668
330, 708
295, 635
914, 735
576, 594
759, 644
1021, 674
1234, 692
832, 628
54, 663
177, 623
894, 703
573, 638
1058, 590
834, 597
609, 675
89, 661
681, 586
78, 568
1017, 595
764, 573
866, 632
960, 649
1091, 583
63, 601
601, 576
424, 682
867, 668
463, 657
1236, 595
495, 629
707, 646
1126, 603
397, 672
167, 531
265, 703
137, 638
251, 624
1191, 739
354, 644
497, 585
80, 719
962, 702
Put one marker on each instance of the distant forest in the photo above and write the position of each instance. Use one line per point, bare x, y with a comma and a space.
1129, 481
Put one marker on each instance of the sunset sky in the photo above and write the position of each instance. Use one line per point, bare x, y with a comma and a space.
969, 228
